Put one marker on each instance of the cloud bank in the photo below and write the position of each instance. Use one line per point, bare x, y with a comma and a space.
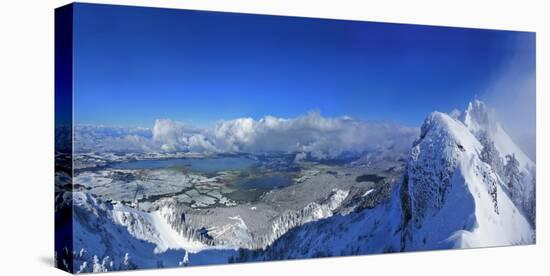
321, 137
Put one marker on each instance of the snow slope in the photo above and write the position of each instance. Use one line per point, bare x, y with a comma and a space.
102, 243
364, 231
154, 228
114, 237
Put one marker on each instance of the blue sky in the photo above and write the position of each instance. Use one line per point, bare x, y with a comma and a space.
135, 65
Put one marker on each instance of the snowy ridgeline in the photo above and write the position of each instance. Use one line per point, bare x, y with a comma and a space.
466, 185
457, 200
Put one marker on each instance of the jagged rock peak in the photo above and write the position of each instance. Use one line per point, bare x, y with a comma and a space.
477, 117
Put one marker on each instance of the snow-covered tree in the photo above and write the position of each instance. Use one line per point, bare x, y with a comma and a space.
185, 260
105, 265
127, 263
513, 178
96, 266
81, 254
83, 268
531, 201
489, 154
64, 260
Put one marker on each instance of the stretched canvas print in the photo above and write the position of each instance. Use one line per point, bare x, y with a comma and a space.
186, 138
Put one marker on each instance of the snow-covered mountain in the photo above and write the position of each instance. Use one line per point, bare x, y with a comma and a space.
453, 195
456, 200
466, 184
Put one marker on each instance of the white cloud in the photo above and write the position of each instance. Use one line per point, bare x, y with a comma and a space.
313, 133
112, 139
169, 134
322, 137
199, 143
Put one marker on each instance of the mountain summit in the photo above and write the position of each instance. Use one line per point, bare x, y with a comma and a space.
476, 117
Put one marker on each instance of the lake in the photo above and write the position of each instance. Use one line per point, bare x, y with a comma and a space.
251, 189
266, 182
